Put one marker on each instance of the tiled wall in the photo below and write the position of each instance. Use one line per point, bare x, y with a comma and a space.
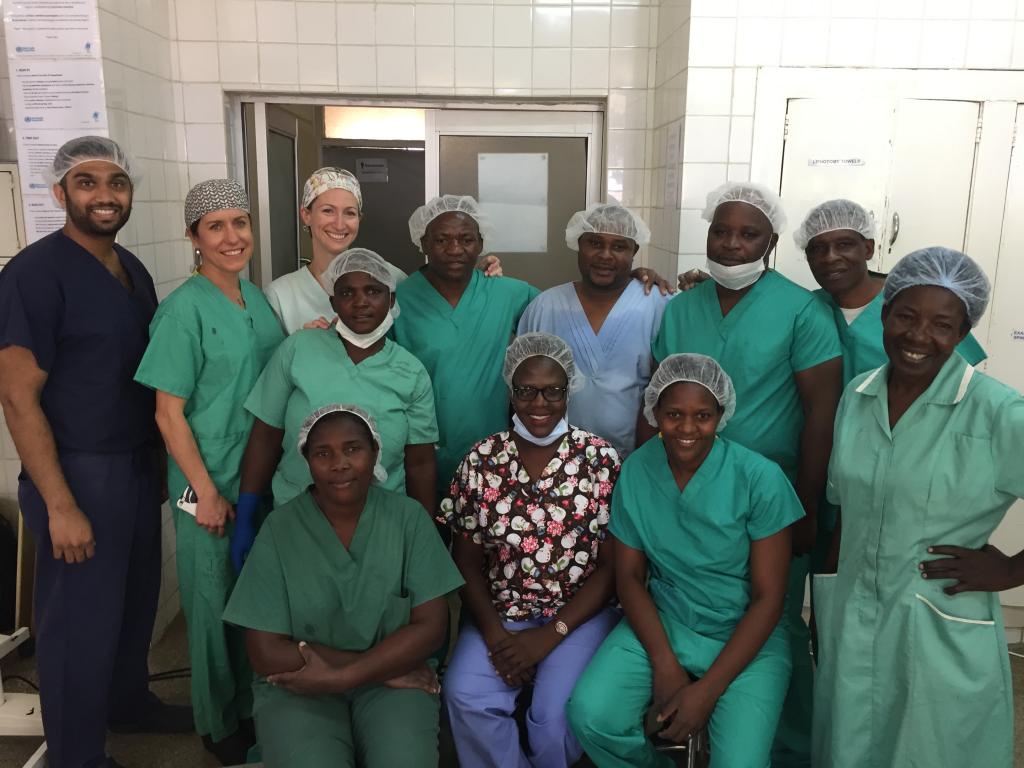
8, 149
730, 39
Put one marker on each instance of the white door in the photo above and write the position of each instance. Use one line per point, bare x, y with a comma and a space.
1006, 330
908, 161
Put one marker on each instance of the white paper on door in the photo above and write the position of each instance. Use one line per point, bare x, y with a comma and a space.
513, 190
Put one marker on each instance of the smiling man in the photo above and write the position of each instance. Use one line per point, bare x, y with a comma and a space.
74, 313
606, 318
838, 237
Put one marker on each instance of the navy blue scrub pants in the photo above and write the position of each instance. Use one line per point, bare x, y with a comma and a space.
94, 620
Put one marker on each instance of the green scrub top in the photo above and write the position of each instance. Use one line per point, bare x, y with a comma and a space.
776, 330
909, 675
862, 339
298, 298
207, 350
463, 350
312, 369
697, 542
299, 579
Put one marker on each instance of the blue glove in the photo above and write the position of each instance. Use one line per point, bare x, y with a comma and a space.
244, 532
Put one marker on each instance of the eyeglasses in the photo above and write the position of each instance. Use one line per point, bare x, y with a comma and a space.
551, 394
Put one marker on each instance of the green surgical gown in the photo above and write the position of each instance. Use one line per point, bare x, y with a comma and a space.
301, 581
311, 369
207, 350
908, 675
697, 545
463, 349
862, 339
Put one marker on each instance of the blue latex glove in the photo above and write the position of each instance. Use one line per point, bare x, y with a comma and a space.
244, 532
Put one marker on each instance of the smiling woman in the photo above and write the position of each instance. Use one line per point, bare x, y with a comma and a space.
208, 342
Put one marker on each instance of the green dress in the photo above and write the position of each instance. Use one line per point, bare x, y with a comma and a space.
207, 350
301, 581
775, 331
907, 675
311, 369
862, 339
463, 349
697, 545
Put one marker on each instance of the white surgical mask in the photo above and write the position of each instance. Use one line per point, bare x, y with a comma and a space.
556, 434
364, 340
740, 276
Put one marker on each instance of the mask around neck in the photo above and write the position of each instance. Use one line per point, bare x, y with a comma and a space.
364, 340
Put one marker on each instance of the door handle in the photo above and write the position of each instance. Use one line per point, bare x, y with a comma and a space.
895, 228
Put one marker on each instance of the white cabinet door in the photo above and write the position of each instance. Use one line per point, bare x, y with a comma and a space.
834, 148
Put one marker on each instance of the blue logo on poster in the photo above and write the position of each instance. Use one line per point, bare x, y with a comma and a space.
25, 48
33, 119
88, 46
96, 117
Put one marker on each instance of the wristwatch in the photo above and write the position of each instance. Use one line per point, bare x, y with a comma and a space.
561, 628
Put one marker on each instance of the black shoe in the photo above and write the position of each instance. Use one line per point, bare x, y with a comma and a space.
231, 750
163, 718
110, 763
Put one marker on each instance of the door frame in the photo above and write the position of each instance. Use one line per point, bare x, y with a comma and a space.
999, 91
582, 117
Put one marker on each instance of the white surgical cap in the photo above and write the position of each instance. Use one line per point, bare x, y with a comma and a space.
438, 206
359, 260
606, 219
757, 195
699, 369
380, 474
84, 149
833, 215
546, 345
944, 268
325, 179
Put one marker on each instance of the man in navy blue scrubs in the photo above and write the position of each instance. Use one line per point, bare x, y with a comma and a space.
74, 316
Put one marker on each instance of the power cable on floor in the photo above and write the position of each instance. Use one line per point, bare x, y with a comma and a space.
23, 679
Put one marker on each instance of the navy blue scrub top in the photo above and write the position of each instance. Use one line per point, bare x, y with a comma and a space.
88, 333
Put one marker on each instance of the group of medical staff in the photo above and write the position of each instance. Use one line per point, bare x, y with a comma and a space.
631, 488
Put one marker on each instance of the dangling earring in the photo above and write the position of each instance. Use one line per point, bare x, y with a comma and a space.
197, 261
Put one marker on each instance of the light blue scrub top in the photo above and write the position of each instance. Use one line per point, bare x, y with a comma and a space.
862, 339
616, 361
776, 330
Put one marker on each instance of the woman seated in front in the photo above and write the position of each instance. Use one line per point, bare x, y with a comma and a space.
343, 599
707, 522
529, 509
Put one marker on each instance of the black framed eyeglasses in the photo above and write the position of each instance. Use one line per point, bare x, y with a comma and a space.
551, 394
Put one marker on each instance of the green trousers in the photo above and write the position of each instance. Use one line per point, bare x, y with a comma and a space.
607, 708
221, 675
792, 747
372, 727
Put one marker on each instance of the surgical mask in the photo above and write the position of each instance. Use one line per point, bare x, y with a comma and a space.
556, 434
740, 276
364, 340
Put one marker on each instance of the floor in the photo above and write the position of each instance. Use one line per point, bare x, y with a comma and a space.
186, 750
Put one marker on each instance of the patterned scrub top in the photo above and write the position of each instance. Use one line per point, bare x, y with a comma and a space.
540, 537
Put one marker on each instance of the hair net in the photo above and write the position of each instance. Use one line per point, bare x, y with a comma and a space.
757, 195
832, 215
379, 473
945, 268
214, 195
606, 219
85, 149
700, 369
331, 178
530, 345
359, 260
422, 216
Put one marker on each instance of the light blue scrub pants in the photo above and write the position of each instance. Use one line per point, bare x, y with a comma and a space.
481, 707
612, 697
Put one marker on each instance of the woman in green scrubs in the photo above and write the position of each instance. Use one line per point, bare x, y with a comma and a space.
209, 340
702, 551
343, 601
913, 668
351, 362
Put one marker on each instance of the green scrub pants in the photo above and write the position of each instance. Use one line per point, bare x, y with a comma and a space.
221, 675
611, 698
372, 727
792, 747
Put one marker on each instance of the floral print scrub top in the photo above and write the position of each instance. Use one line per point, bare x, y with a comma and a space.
540, 537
